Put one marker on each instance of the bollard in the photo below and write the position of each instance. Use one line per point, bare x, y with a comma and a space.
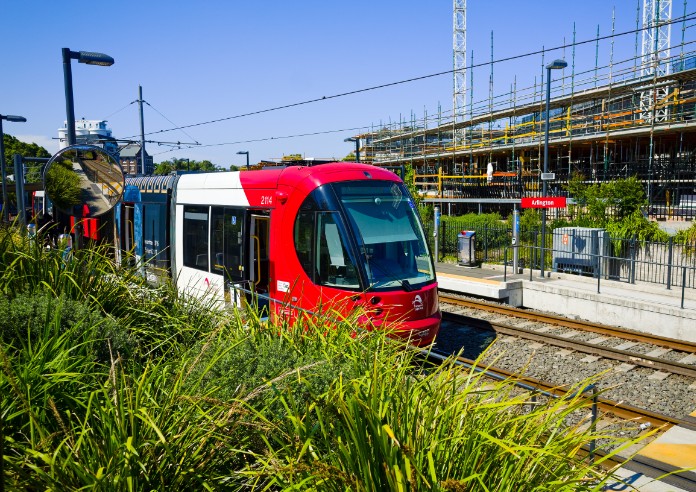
593, 424
669, 263
515, 241
505, 268
436, 226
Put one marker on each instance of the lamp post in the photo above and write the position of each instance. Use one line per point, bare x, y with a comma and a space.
357, 146
555, 65
247, 156
15, 119
90, 58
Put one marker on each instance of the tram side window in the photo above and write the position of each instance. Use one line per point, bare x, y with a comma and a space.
227, 242
334, 265
196, 237
304, 232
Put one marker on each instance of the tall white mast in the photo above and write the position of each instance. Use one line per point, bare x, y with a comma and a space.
656, 34
459, 100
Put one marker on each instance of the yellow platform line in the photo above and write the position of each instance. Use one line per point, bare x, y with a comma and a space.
678, 455
676, 447
469, 279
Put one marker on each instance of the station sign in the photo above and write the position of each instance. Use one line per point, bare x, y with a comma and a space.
544, 202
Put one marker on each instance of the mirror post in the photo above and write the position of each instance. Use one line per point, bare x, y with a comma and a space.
19, 185
69, 103
14, 119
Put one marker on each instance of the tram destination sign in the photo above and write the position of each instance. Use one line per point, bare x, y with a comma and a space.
544, 202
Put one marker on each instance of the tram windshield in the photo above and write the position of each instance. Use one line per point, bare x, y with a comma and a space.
363, 235
390, 238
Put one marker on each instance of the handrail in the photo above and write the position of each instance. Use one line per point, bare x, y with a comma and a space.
258, 259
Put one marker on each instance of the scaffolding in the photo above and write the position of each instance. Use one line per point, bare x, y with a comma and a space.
602, 127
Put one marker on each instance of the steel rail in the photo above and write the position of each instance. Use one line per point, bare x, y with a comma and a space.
639, 464
580, 346
671, 343
617, 409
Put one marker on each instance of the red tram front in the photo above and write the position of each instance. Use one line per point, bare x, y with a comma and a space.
356, 239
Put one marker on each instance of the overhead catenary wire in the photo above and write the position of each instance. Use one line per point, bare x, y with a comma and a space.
595, 39
476, 107
118, 110
170, 121
265, 139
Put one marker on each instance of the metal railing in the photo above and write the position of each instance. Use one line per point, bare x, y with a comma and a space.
670, 263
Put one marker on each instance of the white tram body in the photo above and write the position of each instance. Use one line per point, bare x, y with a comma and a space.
340, 236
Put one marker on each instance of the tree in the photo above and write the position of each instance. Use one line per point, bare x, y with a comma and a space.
14, 146
63, 185
166, 167
206, 166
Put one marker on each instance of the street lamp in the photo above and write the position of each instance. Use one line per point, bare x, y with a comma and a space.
555, 65
90, 58
15, 119
247, 156
357, 146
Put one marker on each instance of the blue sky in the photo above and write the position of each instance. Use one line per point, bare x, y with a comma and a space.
207, 60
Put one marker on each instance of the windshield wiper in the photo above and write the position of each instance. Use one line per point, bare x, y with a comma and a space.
406, 285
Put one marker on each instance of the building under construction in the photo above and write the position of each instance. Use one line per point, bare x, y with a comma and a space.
636, 117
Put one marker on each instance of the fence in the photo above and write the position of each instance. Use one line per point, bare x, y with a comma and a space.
671, 263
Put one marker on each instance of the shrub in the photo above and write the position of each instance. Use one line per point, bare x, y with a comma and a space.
24, 318
394, 428
687, 236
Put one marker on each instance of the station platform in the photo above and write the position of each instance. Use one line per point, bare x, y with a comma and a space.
645, 307
642, 307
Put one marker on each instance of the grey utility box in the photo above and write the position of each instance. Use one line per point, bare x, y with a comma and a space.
466, 248
582, 250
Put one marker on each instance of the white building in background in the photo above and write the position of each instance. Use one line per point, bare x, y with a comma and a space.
93, 132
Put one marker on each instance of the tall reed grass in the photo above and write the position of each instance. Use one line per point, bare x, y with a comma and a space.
108, 384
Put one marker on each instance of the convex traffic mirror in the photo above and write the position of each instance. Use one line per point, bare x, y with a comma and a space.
83, 180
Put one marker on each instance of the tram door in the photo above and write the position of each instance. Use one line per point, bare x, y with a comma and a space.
127, 233
258, 262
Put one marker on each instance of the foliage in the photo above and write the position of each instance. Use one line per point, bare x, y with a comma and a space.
446, 429
77, 425
90, 276
63, 185
409, 181
530, 220
167, 167
615, 206
490, 230
14, 146
687, 236
636, 226
23, 319
219, 400
598, 203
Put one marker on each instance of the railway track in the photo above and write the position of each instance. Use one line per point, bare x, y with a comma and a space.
607, 412
662, 354
616, 409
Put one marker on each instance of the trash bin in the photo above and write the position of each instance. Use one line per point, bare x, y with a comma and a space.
466, 248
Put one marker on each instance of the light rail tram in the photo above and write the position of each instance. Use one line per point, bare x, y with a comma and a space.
340, 236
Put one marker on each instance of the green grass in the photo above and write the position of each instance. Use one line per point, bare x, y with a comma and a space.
106, 384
